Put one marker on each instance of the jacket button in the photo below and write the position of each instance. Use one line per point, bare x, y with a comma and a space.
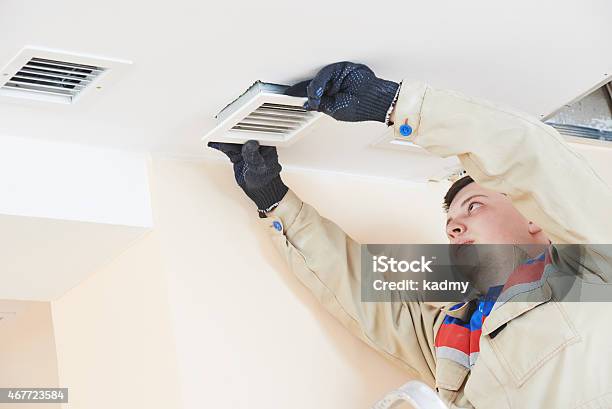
277, 225
405, 129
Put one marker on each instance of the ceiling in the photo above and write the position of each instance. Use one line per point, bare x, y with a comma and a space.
190, 58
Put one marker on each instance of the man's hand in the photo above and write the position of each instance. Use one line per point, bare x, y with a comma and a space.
347, 92
257, 172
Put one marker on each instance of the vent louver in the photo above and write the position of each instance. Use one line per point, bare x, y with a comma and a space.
53, 78
263, 113
274, 119
46, 75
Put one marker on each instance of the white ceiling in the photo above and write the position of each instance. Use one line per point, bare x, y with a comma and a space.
190, 58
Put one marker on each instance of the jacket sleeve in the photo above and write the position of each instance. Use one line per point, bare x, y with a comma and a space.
327, 261
513, 153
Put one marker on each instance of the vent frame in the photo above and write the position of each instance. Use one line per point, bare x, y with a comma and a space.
578, 132
261, 95
110, 71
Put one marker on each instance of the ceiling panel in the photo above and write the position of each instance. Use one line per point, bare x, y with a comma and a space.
191, 58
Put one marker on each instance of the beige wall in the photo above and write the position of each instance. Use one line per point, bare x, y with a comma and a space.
203, 312
27, 350
113, 335
248, 334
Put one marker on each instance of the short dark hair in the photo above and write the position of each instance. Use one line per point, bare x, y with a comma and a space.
454, 189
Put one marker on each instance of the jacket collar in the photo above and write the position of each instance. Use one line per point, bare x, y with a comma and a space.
526, 288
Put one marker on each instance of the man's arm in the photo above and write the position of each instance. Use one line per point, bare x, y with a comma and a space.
513, 153
327, 261
501, 149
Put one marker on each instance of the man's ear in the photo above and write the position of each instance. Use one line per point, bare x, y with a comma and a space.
534, 228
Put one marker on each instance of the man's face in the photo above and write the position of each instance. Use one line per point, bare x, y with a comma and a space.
481, 216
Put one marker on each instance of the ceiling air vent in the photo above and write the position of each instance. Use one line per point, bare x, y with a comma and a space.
55, 76
263, 113
586, 119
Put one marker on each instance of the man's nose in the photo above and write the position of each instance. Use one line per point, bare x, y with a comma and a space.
454, 230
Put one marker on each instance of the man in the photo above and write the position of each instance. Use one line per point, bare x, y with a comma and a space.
526, 187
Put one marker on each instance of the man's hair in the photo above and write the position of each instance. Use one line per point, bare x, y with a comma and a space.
454, 189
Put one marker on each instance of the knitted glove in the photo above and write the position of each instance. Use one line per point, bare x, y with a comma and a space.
347, 92
257, 172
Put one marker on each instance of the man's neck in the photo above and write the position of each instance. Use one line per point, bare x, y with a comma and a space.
498, 262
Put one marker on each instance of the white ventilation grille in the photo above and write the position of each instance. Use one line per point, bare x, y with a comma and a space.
274, 119
54, 76
265, 114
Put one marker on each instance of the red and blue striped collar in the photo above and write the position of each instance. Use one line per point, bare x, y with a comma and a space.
458, 338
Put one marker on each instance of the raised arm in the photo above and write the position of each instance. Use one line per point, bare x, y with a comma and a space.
327, 261
513, 153
503, 150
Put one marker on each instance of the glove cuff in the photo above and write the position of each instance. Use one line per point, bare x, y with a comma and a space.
269, 195
375, 103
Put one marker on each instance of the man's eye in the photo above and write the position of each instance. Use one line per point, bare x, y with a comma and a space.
473, 205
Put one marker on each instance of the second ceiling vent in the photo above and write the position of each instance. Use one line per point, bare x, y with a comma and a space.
55, 76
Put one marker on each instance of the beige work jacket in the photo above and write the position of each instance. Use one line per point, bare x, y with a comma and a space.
550, 354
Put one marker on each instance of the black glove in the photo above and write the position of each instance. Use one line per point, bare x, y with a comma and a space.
347, 92
257, 172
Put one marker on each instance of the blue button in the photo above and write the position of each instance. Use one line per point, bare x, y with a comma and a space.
405, 129
276, 224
